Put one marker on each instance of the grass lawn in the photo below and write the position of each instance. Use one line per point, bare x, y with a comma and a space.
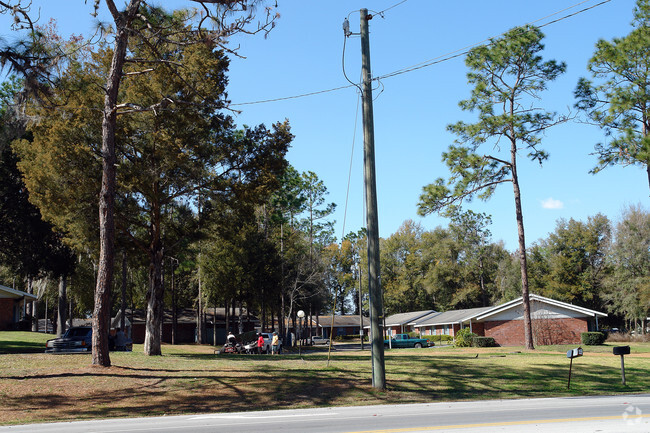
23, 342
38, 387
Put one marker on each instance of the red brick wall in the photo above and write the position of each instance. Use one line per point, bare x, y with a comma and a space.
6, 313
478, 329
545, 331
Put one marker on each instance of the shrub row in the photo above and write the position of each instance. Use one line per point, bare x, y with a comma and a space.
349, 337
438, 338
484, 342
592, 338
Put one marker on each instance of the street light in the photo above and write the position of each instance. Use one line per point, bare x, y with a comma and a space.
301, 314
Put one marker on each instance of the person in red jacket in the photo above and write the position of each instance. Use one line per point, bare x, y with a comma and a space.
260, 343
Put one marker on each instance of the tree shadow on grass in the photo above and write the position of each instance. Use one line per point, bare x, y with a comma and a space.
148, 391
14, 347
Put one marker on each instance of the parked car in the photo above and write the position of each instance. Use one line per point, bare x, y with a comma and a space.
317, 339
76, 339
268, 337
403, 340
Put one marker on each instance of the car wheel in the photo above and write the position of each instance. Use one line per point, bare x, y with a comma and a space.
418, 345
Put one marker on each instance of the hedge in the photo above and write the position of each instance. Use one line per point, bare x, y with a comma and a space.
484, 342
592, 338
438, 338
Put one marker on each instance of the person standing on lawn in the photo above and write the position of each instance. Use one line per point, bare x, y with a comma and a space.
275, 344
260, 343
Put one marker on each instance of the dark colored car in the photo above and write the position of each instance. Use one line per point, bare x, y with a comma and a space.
75, 339
79, 339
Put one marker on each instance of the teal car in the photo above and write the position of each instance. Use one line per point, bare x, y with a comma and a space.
403, 340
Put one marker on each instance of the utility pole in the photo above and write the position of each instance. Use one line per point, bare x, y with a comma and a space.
372, 224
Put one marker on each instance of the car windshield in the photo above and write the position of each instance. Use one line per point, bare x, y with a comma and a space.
77, 332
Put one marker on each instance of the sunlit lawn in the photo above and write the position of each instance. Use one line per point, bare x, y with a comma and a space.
191, 379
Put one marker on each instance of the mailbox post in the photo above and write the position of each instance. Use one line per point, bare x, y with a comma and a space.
622, 351
573, 353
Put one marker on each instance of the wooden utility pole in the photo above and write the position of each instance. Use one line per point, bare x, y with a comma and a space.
372, 225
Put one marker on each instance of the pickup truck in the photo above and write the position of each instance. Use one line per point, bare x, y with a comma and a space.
77, 339
403, 340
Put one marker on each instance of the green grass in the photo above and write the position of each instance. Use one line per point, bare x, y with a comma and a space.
23, 342
191, 379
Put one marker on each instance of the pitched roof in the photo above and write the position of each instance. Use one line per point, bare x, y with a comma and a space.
449, 317
349, 320
6, 292
538, 298
405, 318
482, 313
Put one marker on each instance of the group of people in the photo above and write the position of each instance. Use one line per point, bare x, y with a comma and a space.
275, 342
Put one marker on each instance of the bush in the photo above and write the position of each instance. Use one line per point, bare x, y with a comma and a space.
348, 337
484, 342
439, 338
626, 337
464, 338
592, 338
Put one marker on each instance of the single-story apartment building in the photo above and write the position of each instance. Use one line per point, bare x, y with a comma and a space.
12, 306
553, 322
338, 325
186, 324
401, 323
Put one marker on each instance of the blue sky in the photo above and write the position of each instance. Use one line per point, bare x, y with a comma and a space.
303, 54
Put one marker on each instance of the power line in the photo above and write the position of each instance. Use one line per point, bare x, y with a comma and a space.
443, 58
465, 50
294, 96
381, 13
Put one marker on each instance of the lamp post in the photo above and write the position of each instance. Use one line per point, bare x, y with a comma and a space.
301, 314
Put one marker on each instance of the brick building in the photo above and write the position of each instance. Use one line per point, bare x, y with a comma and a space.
12, 306
554, 322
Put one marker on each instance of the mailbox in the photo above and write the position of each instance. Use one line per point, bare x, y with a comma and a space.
574, 353
622, 350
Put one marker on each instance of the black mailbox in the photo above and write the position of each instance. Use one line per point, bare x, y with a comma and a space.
622, 350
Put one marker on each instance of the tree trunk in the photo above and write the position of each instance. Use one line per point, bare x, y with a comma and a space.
199, 322
226, 314
174, 314
61, 308
263, 308
528, 327
214, 324
100, 355
482, 282
123, 303
34, 314
241, 318
154, 320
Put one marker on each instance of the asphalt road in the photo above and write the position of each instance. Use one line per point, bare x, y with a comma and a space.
630, 414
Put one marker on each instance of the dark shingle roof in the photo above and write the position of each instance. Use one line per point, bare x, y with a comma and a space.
404, 318
449, 317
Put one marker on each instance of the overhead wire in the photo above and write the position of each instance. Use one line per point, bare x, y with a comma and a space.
462, 51
436, 60
347, 193
381, 13
345, 38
